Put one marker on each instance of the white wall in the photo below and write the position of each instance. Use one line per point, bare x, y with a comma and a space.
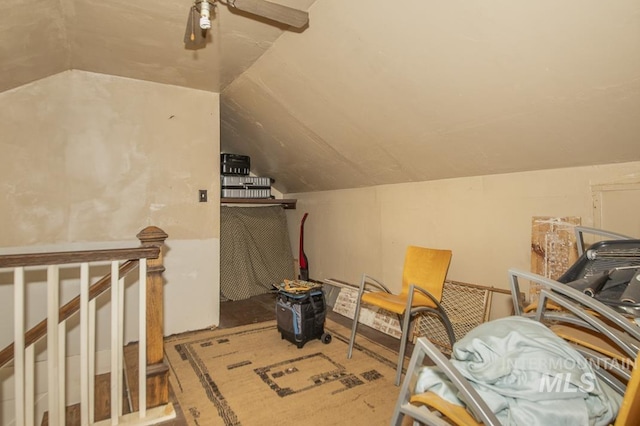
93, 158
485, 220
88, 160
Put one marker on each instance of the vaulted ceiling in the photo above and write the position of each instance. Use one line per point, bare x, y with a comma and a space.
371, 92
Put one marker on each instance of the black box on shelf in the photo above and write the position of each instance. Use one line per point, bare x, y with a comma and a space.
234, 164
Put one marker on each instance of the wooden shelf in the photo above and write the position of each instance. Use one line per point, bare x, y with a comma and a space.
285, 203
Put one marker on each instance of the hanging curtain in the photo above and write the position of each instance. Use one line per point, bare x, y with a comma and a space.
255, 252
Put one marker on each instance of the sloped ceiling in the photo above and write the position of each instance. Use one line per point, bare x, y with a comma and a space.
371, 92
135, 39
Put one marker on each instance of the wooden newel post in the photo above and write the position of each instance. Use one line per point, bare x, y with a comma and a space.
157, 370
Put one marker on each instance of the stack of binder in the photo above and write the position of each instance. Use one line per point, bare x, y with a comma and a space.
235, 181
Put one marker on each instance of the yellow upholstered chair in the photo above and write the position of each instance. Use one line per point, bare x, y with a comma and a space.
423, 276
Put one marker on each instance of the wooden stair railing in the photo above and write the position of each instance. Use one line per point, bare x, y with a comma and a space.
152, 241
157, 371
72, 307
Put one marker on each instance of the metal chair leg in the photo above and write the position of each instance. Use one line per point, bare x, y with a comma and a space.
417, 359
403, 345
354, 329
404, 331
356, 317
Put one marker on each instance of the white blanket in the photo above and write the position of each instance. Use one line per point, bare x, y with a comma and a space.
527, 375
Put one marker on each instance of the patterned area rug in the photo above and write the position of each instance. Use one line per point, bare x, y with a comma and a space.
250, 376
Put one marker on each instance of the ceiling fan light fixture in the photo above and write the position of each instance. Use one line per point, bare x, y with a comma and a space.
205, 15
194, 36
199, 20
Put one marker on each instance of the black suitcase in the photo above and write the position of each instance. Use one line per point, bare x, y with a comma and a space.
235, 164
300, 316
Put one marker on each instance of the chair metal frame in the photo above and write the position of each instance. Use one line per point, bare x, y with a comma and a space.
585, 312
579, 309
581, 230
404, 318
475, 403
626, 345
568, 292
480, 413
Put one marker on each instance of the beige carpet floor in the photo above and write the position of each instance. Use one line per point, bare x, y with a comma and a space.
249, 376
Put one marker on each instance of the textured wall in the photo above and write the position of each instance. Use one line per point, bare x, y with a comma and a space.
374, 93
485, 220
89, 159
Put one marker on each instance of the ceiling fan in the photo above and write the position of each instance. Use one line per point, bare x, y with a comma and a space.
199, 20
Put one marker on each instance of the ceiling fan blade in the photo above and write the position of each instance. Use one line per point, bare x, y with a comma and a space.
276, 12
194, 36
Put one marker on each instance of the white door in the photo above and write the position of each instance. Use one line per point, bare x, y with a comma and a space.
617, 208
